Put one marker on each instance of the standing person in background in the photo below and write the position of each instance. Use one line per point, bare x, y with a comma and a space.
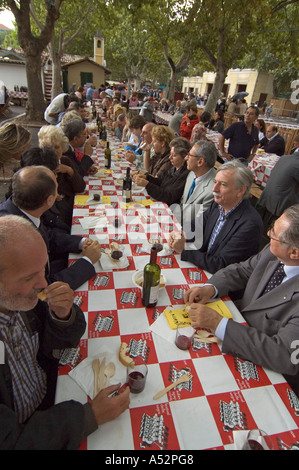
189, 121
243, 138
58, 105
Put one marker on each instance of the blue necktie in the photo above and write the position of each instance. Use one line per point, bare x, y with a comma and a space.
191, 189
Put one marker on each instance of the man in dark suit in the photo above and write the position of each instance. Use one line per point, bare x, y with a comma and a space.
232, 228
75, 130
282, 188
271, 340
273, 142
34, 190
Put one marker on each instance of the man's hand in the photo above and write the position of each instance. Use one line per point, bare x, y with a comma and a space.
228, 156
203, 316
92, 250
199, 294
106, 409
130, 156
60, 298
177, 241
92, 140
64, 169
92, 170
140, 181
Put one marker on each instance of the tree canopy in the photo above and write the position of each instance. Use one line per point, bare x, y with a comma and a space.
161, 40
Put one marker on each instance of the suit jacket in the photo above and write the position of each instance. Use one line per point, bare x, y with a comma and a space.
238, 239
81, 167
273, 317
169, 185
58, 244
282, 188
202, 194
276, 145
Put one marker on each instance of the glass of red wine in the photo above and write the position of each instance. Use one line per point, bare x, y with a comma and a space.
184, 336
258, 440
136, 377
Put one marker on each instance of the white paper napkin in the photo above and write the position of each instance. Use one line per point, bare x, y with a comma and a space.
93, 222
107, 263
146, 248
83, 373
161, 328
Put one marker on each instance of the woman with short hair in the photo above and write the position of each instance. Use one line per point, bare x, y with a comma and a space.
168, 187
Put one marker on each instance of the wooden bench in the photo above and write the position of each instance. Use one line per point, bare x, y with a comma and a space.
288, 135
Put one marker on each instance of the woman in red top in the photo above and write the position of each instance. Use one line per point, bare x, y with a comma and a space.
189, 122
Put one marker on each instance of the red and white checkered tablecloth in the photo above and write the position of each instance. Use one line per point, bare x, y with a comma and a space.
261, 166
162, 118
18, 94
225, 395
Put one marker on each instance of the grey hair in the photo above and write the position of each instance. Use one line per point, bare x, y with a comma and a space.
181, 145
243, 175
206, 150
73, 128
290, 236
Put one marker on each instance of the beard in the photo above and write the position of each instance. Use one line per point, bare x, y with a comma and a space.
18, 302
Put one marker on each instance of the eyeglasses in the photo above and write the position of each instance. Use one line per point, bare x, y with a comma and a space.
190, 155
270, 236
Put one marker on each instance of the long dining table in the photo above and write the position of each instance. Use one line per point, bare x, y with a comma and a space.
226, 396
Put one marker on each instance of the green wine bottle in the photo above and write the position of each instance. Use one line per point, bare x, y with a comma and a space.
127, 187
107, 156
151, 280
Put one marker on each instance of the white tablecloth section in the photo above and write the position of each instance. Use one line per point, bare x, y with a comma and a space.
225, 396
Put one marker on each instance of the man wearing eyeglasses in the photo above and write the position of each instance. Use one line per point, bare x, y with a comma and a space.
198, 191
270, 281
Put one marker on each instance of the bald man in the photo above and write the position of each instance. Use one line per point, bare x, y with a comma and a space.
32, 330
34, 191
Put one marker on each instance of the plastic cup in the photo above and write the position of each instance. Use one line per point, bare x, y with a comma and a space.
184, 336
258, 440
136, 378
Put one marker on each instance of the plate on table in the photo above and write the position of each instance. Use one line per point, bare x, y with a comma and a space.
137, 279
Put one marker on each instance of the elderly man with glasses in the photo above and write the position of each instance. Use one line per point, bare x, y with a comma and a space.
198, 191
270, 283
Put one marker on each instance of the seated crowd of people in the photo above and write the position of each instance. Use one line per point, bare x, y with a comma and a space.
221, 233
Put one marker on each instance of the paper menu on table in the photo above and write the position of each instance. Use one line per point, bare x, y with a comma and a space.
176, 316
143, 202
83, 200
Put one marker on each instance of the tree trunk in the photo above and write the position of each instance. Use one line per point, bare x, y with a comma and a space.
221, 73
33, 46
171, 84
36, 102
56, 75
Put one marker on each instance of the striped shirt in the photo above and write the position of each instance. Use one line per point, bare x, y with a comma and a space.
219, 224
29, 382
